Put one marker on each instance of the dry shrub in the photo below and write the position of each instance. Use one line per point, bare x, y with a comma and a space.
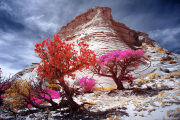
91, 103
105, 88
166, 58
142, 46
15, 95
172, 113
148, 56
170, 79
178, 109
161, 50
70, 36
54, 87
172, 61
150, 45
141, 81
176, 74
163, 59
96, 23
116, 35
172, 75
156, 49
162, 93
154, 76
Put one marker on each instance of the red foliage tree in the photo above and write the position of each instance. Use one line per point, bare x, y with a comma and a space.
59, 59
119, 64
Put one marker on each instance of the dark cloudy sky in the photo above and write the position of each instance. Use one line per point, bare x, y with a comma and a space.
23, 23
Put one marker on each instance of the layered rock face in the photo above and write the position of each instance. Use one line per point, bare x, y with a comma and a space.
102, 33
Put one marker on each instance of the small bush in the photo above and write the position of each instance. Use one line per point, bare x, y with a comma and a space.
161, 50
21, 94
156, 49
178, 109
54, 87
140, 82
105, 88
15, 95
167, 58
91, 103
150, 45
154, 76
163, 59
139, 49
172, 75
176, 74
96, 23
142, 46
172, 61
87, 84
100, 88
148, 56
71, 36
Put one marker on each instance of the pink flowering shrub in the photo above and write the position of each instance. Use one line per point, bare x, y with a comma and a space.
4, 86
54, 95
2, 96
119, 64
87, 84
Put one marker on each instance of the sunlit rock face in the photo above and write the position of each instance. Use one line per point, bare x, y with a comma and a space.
102, 33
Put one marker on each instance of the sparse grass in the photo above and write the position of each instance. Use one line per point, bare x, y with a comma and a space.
172, 113
172, 75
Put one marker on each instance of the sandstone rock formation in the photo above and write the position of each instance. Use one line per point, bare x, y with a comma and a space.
103, 34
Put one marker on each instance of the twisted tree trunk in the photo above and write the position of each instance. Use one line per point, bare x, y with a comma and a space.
69, 95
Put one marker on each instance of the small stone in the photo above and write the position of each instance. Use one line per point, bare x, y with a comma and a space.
166, 71
31, 116
141, 115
